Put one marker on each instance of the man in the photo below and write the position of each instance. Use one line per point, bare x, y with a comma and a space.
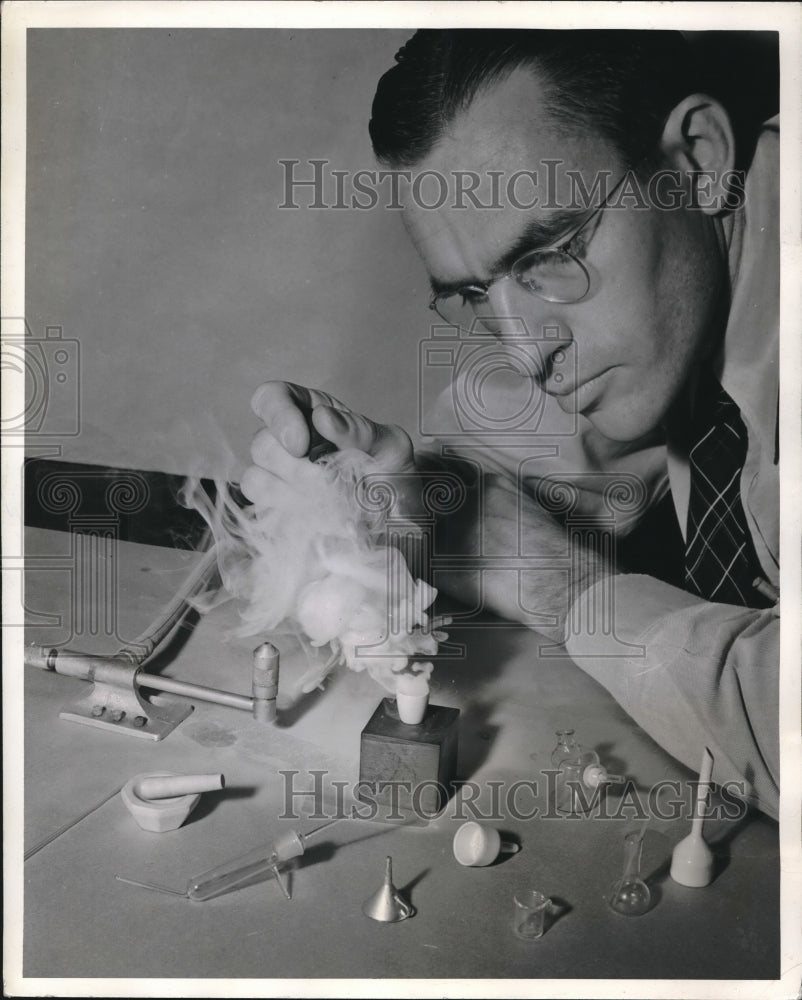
651, 321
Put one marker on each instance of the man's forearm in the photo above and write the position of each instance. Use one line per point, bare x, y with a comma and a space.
692, 674
520, 563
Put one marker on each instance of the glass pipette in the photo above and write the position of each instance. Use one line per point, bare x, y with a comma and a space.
244, 870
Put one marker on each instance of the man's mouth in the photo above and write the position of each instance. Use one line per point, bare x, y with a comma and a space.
580, 396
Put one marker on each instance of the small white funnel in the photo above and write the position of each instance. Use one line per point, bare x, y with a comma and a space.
386, 904
476, 846
692, 859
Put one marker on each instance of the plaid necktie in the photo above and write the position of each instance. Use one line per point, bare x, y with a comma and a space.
720, 559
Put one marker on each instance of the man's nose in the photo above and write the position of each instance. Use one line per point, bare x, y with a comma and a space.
520, 318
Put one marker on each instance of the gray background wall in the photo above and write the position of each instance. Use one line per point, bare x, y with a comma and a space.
154, 237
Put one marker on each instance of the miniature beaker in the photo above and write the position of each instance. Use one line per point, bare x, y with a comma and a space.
630, 895
529, 917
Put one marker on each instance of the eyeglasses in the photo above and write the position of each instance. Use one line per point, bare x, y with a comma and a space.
553, 273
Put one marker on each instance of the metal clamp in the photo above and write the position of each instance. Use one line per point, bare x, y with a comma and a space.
116, 702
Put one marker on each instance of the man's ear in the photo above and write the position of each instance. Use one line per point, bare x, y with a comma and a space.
699, 141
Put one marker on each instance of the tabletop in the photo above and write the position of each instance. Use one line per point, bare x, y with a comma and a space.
81, 921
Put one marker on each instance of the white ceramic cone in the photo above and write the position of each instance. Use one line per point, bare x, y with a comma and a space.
692, 860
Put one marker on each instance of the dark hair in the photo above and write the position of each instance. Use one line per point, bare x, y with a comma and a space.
621, 84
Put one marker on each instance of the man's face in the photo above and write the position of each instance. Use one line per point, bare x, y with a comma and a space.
655, 274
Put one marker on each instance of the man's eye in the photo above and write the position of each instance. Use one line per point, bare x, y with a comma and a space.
469, 296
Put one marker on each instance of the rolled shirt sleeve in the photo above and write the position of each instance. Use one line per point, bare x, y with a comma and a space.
691, 673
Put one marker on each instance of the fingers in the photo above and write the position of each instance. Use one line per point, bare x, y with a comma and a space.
276, 477
268, 453
346, 429
294, 416
265, 490
285, 408
387, 443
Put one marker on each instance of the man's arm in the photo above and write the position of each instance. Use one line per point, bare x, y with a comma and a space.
708, 675
520, 563
691, 673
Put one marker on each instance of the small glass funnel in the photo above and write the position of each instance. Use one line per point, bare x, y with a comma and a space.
630, 895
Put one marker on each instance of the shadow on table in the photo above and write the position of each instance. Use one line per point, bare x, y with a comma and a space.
487, 643
211, 800
719, 844
473, 751
559, 908
288, 716
324, 850
406, 890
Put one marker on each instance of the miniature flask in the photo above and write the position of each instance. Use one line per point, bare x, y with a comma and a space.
578, 780
630, 895
566, 747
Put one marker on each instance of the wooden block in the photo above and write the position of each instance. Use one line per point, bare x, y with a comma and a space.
411, 766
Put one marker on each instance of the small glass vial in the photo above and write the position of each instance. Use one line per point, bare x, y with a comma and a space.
630, 895
576, 785
566, 747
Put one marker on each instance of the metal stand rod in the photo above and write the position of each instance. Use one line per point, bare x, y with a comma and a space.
172, 686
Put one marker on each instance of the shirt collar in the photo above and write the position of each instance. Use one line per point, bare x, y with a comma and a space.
747, 363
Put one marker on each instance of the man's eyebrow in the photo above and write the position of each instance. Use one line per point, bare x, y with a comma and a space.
537, 233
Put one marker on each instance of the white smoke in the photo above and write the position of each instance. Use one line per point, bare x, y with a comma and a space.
312, 561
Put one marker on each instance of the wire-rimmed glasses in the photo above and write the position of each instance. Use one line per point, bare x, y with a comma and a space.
553, 273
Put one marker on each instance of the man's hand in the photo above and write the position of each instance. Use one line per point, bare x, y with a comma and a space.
513, 523
279, 450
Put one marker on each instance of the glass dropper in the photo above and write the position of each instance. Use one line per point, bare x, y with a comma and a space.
246, 869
